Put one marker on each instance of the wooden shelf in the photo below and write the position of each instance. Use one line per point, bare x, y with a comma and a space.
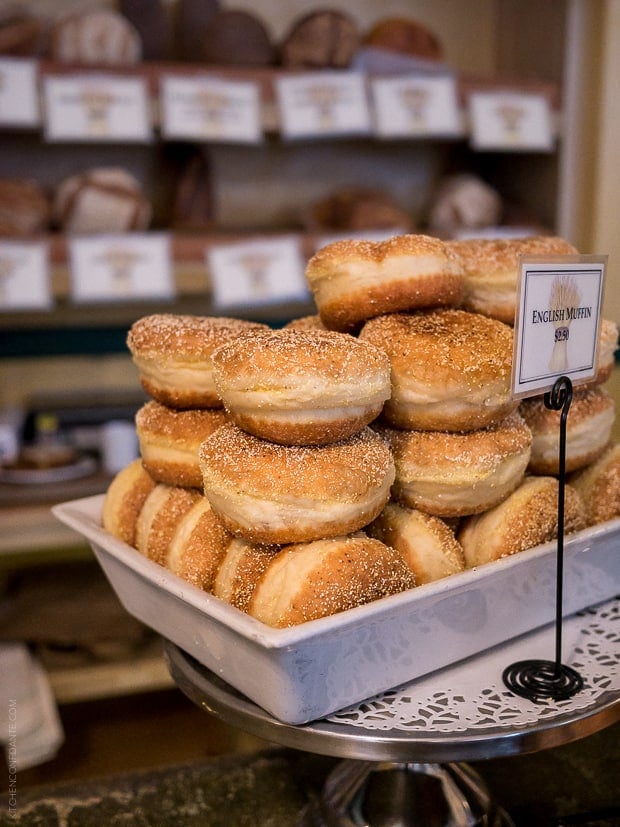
147, 673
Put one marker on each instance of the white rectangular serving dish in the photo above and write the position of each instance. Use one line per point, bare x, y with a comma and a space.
311, 670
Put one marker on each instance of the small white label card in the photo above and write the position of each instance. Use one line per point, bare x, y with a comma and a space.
24, 276
257, 272
120, 267
94, 107
19, 95
323, 104
416, 105
203, 108
559, 304
510, 121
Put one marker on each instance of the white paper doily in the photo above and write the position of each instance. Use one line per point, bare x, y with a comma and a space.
472, 696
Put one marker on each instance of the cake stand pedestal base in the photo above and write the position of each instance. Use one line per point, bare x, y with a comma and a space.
371, 794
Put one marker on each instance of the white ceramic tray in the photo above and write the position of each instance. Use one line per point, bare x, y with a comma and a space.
312, 670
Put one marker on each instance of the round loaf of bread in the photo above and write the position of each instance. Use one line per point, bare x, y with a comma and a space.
235, 37
198, 546
599, 486
300, 387
95, 37
427, 544
405, 36
269, 493
101, 200
357, 210
454, 474
161, 512
355, 280
170, 441
588, 430
311, 580
173, 354
124, 499
451, 369
491, 268
527, 518
325, 38
21, 33
25, 209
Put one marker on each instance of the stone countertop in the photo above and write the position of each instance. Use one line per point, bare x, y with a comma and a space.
272, 788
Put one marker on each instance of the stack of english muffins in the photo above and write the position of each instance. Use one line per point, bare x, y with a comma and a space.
368, 449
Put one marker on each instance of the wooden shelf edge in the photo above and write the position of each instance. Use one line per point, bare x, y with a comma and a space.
110, 680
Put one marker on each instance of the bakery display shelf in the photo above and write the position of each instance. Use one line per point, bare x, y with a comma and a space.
191, 281
265, 77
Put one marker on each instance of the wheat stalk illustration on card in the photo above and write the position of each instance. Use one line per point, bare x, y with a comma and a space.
563, 297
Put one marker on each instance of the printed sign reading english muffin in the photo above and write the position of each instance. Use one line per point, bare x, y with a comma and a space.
557, 325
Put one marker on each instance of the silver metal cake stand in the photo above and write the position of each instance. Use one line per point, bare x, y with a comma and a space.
403, 751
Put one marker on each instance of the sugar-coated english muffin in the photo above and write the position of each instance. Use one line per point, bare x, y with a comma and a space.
124, 499
198, 546
606, 353
307, 581
355, 280
491, 268
455, 474
301, 387
173, 354
527, 518
599, 486
588, 430
241, 568
451, 369
161, 513
312, 322
170, 441
269, 493
427, 543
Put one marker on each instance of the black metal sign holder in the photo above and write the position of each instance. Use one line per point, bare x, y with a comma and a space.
539, 680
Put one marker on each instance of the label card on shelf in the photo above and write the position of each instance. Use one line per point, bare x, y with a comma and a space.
257, 272
209, 109
416, 105
94, 108
19, 97
24, 276
120, 267
510, 121
323, 104
559, 302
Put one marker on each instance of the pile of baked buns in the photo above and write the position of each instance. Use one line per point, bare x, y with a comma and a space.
368, 449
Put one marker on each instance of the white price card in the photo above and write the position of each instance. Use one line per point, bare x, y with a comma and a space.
510, 121
121, 267
416, 105
323, 104
95, 107
558, 319
257, 272
19, 97
208, 109
24, 276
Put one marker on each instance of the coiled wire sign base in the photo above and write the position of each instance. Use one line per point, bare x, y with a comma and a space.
538, 680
